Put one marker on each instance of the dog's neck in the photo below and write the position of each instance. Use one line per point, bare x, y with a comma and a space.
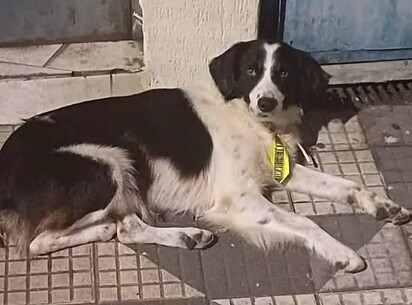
285, 122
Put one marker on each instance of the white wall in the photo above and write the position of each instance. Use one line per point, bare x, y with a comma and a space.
181, 36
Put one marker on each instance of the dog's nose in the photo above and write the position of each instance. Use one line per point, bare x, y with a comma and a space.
267, 104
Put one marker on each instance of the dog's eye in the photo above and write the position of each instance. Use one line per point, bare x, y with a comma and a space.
284, 73
251, 71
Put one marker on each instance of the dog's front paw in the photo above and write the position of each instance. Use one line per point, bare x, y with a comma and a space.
394, 213
349, 261
354, 264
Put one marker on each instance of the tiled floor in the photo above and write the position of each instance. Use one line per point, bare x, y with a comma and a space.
353, 143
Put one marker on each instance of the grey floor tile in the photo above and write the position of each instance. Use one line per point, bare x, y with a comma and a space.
191, 271
215, 276
384, 248
395, 164
234, 266
193, 301
257, 270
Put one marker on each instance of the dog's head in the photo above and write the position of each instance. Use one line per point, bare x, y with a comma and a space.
270, 77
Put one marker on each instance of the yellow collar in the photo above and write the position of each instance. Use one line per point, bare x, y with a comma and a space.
279, 160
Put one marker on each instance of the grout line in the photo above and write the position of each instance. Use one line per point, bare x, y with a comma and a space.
49, 278
369, 257
345, 132
6, 273
388, 255
317, 298
407, 240
95, 272
111, 83
69, 74
320, 164
117, 264
249, 283
71, 276
28, 277
312, 203
159, 271
139, 272
291, 203
32, 66
182, 280
60, 50
202, 271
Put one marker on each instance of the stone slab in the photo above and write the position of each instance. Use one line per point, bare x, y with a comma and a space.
31, 55
99, 56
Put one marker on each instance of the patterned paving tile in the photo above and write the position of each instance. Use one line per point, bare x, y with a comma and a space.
103, 272
52, 279
387, 256
341, 136
298, 299
370, 297
126, 274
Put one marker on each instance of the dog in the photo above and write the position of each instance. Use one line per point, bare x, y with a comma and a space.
104, 168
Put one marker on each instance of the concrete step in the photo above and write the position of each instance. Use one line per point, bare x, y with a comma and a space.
42, 78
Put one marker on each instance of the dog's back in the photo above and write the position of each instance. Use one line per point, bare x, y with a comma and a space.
61, 166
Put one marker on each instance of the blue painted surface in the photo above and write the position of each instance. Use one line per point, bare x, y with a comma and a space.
334, 57
57, 21
350, 30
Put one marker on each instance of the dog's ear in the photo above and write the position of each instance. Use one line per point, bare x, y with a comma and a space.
224, 69
314, 80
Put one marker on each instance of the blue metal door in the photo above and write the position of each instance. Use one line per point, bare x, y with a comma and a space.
337, 31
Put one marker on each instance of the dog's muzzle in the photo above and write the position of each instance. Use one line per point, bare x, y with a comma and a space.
267, 104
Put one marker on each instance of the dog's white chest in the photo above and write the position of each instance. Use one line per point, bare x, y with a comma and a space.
241, 145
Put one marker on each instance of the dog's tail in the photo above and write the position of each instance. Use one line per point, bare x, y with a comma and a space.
13, 228
13, 231
4, 201
11, 223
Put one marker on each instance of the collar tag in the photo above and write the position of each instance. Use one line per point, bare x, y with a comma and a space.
279, 160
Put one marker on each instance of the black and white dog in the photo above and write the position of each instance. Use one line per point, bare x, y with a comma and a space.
106, 167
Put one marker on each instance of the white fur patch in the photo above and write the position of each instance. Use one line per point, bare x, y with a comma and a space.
169, 192
265, 87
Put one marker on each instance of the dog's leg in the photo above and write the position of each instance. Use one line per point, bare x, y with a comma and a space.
51, 241
265, 224
133, 230
344, 191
